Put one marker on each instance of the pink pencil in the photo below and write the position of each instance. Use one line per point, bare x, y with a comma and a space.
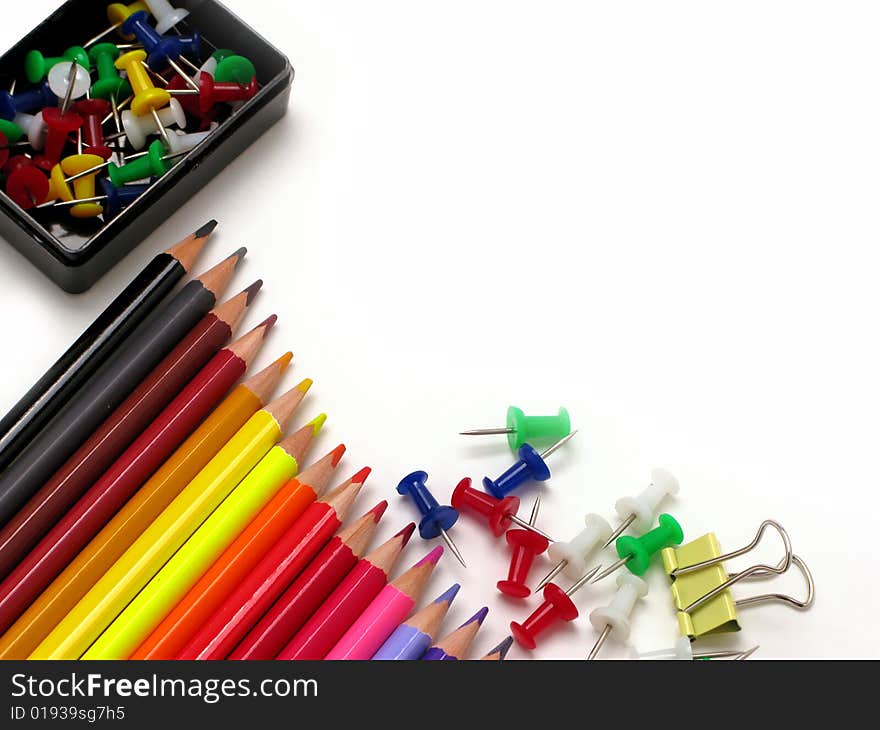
386, 611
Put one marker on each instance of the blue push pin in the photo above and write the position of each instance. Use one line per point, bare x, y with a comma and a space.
531, 466
121, 197
26, 102
161, 49
436, 519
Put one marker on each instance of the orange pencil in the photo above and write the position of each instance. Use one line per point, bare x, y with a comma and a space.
117, 536
203, 599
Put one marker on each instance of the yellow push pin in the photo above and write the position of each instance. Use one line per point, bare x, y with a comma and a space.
59, 188
147, 98
84, 187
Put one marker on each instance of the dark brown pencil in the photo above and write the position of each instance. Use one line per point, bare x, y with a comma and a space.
89, 406
94, 346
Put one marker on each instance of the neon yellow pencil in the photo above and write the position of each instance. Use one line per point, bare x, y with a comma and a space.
207, 543
95, 611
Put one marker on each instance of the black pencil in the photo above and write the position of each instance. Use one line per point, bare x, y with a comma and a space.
130, 364
97, 343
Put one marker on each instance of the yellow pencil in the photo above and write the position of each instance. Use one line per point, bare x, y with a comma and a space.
207, 543
95, 611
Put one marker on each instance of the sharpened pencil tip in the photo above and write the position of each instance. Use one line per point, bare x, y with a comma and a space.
407, 533
361, 476
252, 290
449, 595
305, 385
379, 510
268, 323
336, 455
317, 423
502, 649
432, 557
284, 361
239, 255
206, 230
479, 616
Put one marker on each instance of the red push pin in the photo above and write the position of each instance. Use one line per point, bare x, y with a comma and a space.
190, 102
25, 183
213, 92
93, 112
499, 513
526, 547
557, 606
59, 126
4, 149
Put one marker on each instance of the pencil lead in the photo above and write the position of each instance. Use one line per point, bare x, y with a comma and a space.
336, 455
252, 290
407, 533
361, 476
379, 510
432, 557
239, 255
449, 595
317, 423
305, 385
501, 650
479, 617
206, 230
284, 361
269, 322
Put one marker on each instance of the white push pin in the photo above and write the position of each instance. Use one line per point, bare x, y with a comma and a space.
138, 129
615, 616
64, 85
643, 510
34, 127
183, 142
571, 557
166, 15
684, 651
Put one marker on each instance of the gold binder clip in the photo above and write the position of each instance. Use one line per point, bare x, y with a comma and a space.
700, 586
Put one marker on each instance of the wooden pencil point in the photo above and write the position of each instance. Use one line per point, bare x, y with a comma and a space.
253, 289
342, 498
217, 279
358, 535
385, 556
188, 250
414, 580
248, 345
430, 618
206, 230
318, 475
499, 653
458, 643
298, 443
232, 310
283, 408
263, 383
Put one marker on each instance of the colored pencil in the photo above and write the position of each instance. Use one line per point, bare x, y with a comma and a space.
119, 429
197, 554
239, 559
271, 576
137, 514
348, 601
129, 472
130, 573
313, 586
499, 653
414, 636
86, 409
71, 371
456, 645
385, 612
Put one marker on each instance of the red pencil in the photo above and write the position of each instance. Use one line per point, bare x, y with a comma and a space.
273, 574
63, 542
120, 428
311, 589
348, 601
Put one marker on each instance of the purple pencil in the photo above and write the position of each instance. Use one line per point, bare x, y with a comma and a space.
456, 645
412, 638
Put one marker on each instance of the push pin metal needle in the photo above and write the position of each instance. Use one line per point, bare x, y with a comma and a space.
151, 151
615, 617
532, 466
436, 519
683, 650
498, 513
522, 429
572, 556
641, 510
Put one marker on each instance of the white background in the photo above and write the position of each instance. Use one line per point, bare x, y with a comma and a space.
661, 215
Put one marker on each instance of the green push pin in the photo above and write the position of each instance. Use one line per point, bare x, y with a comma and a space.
11, 131
222, 53
523, 429
110, 85
36, 65
153, 164
235, 70
636, 552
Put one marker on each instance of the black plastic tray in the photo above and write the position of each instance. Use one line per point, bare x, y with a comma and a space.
75, 254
